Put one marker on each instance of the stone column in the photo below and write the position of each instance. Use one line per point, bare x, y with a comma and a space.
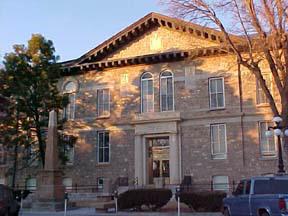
174, 159
50, 190
139, 159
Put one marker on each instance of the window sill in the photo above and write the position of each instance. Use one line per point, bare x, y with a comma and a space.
268, 157
263, 105
216, 109
103, 117
215, 158
69, 120
167, 111
103, 164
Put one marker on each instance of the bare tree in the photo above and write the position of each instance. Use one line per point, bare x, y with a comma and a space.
261, 29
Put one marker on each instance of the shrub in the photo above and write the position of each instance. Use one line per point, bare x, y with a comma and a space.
152, 198
203, 201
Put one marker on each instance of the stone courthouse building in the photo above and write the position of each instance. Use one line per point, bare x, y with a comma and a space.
159, 101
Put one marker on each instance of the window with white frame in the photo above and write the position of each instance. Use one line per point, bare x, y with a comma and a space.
103, 147
2, 155
267, 144
260, 95
220, 183
147, 93
218, 141
69, 153
68, 142
70, 90
67, 183
32, 158
2, 181
100, 183
31, 184
32, 150
216, 93
103, 102
166, 91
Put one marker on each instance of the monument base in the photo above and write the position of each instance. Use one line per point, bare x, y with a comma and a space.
50, 191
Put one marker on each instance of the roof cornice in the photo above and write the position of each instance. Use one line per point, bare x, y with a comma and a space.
138, 28
147, 59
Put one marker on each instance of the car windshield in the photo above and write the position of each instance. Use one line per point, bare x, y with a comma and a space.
271, 186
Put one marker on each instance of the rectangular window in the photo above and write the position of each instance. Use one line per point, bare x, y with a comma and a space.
2, 155
2, 181
100, 183
31, 184
32, 150
103, 102
69, 110
32, 155
69, 153
216, 93
147, 93
67, 183
167, 91
260, 95
103, 148
267, 144
218, 141
220, 183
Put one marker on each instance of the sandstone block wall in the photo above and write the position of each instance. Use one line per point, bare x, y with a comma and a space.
191, 97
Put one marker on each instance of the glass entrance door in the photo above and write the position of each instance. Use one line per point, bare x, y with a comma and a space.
158, 160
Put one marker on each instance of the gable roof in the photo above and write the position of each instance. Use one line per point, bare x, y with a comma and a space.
138, 28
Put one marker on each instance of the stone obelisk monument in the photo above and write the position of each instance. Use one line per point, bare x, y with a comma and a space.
50, 190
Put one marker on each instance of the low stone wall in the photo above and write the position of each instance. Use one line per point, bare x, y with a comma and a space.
88, 196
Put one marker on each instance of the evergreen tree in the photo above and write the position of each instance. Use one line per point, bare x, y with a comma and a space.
29, 79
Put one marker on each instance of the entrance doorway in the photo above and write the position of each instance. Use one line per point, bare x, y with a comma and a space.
158, 160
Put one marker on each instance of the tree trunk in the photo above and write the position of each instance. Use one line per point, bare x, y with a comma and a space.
40, 141
15, 155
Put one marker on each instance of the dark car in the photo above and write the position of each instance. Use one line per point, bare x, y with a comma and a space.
8, 204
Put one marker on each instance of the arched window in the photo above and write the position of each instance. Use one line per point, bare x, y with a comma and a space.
147, 93
166, 91
70, 89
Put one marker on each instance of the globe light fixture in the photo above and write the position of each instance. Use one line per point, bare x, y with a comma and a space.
277, 130
286, 132
277, 119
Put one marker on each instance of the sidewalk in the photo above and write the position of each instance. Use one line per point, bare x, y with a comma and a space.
92, 212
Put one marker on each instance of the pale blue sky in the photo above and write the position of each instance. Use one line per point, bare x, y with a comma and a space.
74, 26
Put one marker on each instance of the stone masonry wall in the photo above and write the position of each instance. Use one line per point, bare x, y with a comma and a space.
191, 100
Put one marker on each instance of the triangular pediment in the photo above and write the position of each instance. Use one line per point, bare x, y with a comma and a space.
154, 33
160, 40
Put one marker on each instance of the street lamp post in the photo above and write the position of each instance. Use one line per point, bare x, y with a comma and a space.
278, 132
